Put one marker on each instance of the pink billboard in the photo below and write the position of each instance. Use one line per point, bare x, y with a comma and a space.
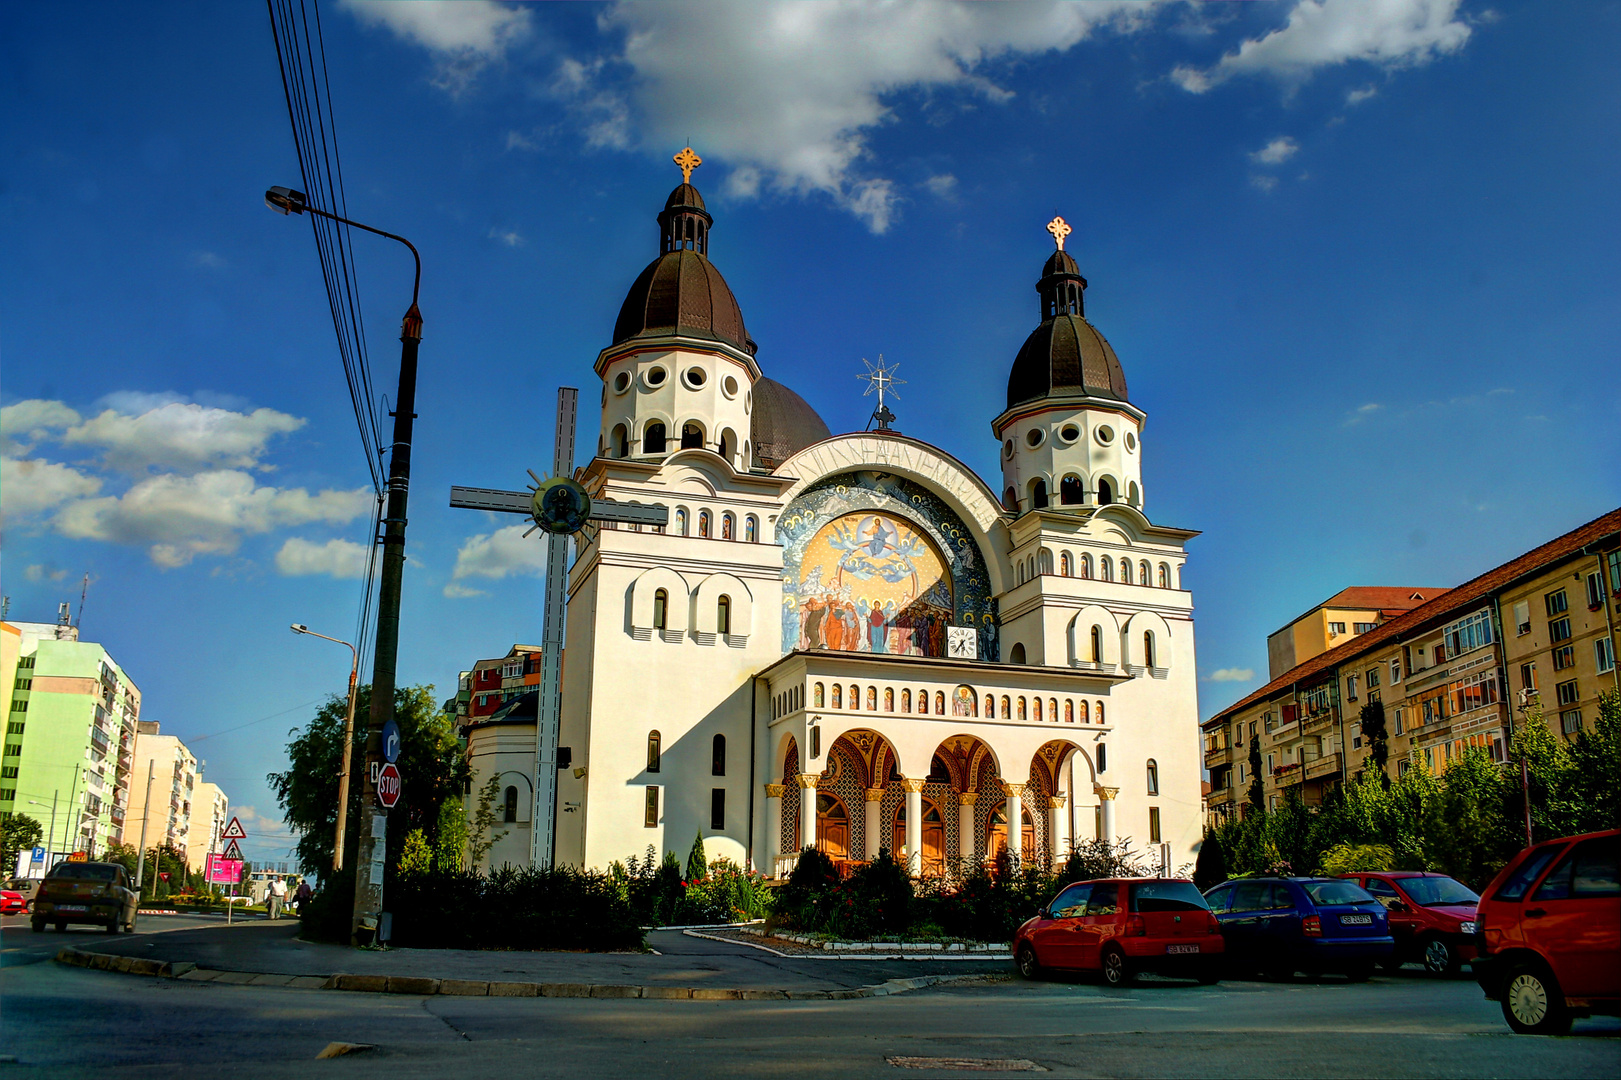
223, 871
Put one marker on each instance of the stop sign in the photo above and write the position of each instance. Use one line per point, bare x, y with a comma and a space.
388, 785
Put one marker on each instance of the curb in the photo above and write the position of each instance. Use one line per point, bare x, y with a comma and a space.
872, 953
425, 987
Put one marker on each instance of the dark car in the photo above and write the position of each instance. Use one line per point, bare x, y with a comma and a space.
1279, 926
1119, 927
1550, 933
1432, 917
86, 892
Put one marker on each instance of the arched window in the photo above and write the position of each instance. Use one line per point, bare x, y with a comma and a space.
1023, 577
990, 706
1133, 496
1036, 714
1017, 655
889, 699
1038, 494
1097, 644
923, 701
1086, 711
1148, 649
1105, 493
1024, 709
1052, 709
906, 701
717, 756
728, 528
1153, 777
1164, 576
509, 807
1125, 572
1100, 715
661, 609
1063, 564
1007, 708
939, 703
723, 615
621, 441
1144, 575
692, 436
872, 699
819, 697
653, 438
681, 521
653, 751
855, 696
703, 524
1071, 492
1086, 567
1108, 569
1044, 562
1010, 501
751, 529
1069, 710
1103, 756
838, 696
728, 444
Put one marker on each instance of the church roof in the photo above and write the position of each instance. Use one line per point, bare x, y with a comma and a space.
681, 292
782, 423
1065, 356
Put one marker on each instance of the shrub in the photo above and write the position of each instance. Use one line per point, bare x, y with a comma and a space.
726, 893
1349, 858
560, 907
813, 879
327, 914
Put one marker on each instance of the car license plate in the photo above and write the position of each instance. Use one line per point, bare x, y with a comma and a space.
71, 907
1178, 949
1356, 920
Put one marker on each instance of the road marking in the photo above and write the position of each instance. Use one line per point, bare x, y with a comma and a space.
966, 1064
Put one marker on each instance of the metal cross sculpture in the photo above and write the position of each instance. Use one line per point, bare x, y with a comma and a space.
881, 379
1060, 229
688, 162
560, 507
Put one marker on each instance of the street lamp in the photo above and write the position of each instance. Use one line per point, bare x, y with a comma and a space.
369, 884
348, 743
50, 837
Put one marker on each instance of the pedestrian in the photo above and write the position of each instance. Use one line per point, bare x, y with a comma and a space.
274, 892
302, 897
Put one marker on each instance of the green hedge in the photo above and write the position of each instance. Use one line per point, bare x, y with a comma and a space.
511, 908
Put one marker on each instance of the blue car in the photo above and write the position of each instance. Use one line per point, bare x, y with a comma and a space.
1279, 926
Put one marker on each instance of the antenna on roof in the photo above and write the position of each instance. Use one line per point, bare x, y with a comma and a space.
79, 622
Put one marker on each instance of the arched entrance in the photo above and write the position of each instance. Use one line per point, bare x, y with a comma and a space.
832, 827
934, 837
996, 838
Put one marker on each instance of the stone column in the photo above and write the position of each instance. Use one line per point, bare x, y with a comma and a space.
1015, 821
807, 809
914, 826
1106, 800
872, 838
1057, 828
967, 842
773, 828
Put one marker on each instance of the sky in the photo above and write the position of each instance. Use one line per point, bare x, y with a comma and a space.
1360, 262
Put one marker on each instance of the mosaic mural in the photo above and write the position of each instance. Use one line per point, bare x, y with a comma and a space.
876, 563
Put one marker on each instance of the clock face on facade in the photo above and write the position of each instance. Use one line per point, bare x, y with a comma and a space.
962, 643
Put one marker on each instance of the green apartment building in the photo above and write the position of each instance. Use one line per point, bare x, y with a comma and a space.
70, 735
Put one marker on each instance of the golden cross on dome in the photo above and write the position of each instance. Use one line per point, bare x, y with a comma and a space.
688, 162
1060, 229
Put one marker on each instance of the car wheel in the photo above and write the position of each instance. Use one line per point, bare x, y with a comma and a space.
129, 927
1359, 973
1116, 969
1279, 973
1532, 1003
1440, 958
38, 926
1209, 976
1028, 965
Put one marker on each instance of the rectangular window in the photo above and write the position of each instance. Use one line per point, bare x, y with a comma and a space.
717, 808
15, 727
1595, 590
1564, 657
1528, 677
1474, 692
650, 817
1317, 700
1373, 678
13, 750
1336, 628
1401, 721
1270, 767
1604, 655
7, 794
1468, 633
1395, 670
1153, 824
9, 772
1556, 603
19, 706
1432, 709
1571, 721
1614, 560
1559, 630
1350, 688
1363, 627
1522, 618
1566, 693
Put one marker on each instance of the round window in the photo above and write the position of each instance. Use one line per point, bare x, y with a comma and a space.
656, 376
748, 401
1105, 435
1069, 433
729, 385
1131, 441
621, 382
1007, 448
1034, 437
696, 377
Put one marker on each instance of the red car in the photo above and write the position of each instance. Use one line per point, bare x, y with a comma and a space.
1432, 917
12, 903
1119, 927
1550, 933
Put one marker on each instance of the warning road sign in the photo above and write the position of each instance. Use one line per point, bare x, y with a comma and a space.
234, 831
233, 852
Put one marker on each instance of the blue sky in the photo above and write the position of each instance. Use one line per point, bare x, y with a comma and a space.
1359, 261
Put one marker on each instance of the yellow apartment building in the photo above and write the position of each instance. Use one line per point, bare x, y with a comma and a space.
1347, 614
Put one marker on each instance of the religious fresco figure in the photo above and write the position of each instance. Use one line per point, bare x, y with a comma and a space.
872, 582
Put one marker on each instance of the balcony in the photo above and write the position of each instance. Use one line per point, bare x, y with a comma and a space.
1326, 766
1220, 797
1218, 756
1286, 775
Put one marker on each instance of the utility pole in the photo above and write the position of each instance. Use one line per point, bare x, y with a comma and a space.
146, 815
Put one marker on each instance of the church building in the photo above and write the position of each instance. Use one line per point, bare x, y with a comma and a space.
853, 640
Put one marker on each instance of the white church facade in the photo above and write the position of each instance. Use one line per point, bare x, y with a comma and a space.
853, 641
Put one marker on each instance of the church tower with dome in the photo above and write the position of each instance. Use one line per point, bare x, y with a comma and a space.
853, 641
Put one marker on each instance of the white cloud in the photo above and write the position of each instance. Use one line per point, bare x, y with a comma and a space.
509, 237
1232, 674
500, 554
1361, 94
943, 186
517, 140
32, 420
41, 572
1276, 152
787, 94
1324, 33
466, 36
182, 436
335, 558
32, 486
180, 517
209, 260
1361, 413
462, 592
1264, 183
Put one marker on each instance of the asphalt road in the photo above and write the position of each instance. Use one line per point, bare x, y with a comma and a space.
59, 1021
20, 945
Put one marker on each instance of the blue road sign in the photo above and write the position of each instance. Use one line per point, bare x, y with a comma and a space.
37, 855
391, 742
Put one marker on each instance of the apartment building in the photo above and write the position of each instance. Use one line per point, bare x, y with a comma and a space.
1456, 671
210, 813
1343, 616
174, 775
492, 683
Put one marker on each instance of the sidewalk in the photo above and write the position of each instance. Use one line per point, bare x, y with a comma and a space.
680, 965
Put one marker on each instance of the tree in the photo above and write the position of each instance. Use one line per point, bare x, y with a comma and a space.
1257, 794
1595, 768
1374, 729
17, 832
432, 763
697, 865
450, 850
1210, 868
484, 836
415, 856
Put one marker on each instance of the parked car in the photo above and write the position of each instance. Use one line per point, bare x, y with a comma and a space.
1550, 933
27, 888
1119, 927
86, 892
1432, 917
12, 902
1279, 926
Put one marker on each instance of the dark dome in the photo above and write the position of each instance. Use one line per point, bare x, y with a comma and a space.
782, 423
685, 195
1060, 263
1065, 357
682, 292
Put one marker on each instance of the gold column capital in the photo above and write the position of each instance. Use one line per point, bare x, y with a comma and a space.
1014, 791
774, 791
1056, 802
876, 794
912, 785
1107, 794
807, 780
967, 798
